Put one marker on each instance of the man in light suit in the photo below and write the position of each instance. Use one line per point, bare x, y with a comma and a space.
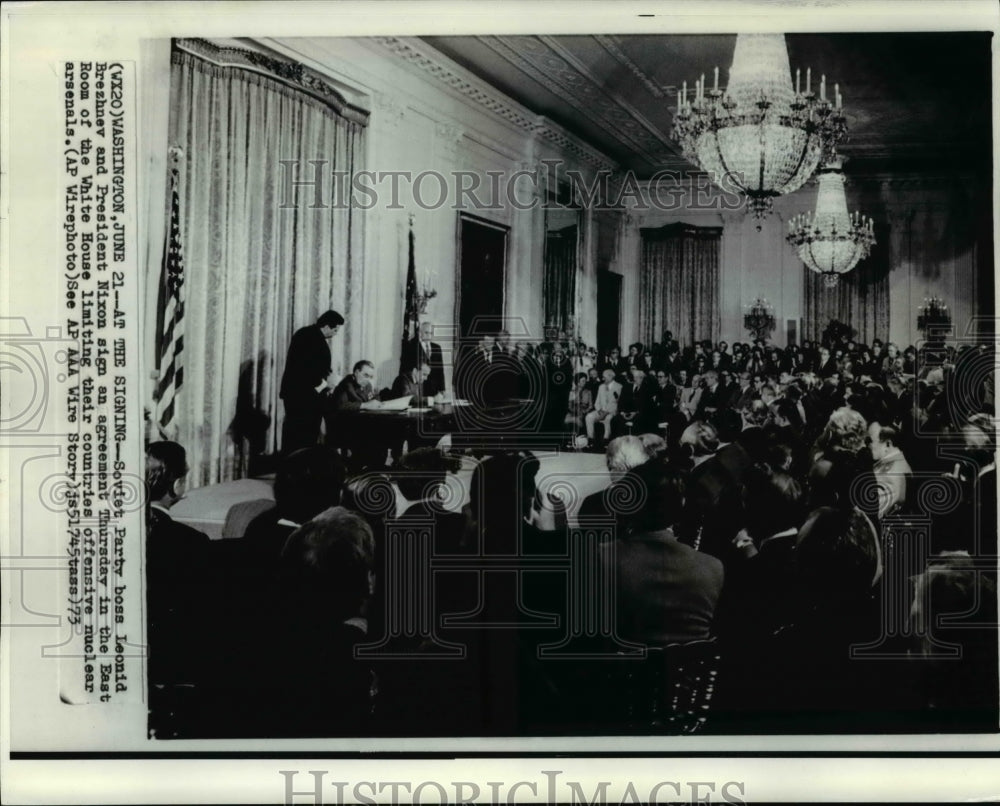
891, 468
306, 381
606, 405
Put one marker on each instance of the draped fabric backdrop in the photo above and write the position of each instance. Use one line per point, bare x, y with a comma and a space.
559, 284
254, 272
679, 283
860, 299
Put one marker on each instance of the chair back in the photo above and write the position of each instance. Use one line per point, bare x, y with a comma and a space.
239, 516
669, 691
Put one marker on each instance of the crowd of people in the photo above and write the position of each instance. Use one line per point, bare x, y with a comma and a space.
825, 513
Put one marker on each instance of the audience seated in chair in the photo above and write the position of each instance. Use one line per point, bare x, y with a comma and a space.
308, 481
666, 591
314, 686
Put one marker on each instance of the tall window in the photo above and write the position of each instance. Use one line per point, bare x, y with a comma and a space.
679, 283
259, 261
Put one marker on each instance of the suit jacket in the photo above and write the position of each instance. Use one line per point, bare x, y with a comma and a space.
405, 385
636, 361
666, 401
689, 399
827, 369
349, 395
483, 379
891, 473
666, 591
415, 353
177, 584
641, 402
741, 398
307, 364
607, 397
710, 399
715, 501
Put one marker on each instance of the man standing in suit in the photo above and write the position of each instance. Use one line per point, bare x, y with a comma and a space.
306, 381
425, 351
480, 372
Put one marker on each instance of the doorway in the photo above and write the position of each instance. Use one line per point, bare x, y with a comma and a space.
609, 303
482, 260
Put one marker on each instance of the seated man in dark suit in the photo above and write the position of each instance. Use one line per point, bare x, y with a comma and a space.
414, 383
712, 396
353, 394
176, 579
622, 456
666, 591
636, 405
307, 482
420, 475
312, 684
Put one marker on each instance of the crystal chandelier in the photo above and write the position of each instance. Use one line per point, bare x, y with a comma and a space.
761, 134
830, 241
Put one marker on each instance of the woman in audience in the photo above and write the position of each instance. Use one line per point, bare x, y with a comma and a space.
581, 401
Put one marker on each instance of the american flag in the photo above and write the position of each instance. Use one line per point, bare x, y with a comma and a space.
411, 314
170, 321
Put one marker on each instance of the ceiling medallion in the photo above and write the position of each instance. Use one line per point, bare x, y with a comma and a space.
760, 134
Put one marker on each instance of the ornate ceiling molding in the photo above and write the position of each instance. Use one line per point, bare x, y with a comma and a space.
612, 46
549, 64
446, 72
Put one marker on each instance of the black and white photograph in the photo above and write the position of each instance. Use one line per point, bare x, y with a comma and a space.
603, 389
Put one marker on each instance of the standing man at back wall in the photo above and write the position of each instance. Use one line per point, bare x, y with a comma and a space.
424, 351
307, 381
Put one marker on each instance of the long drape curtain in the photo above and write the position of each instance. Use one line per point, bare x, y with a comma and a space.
559, 283
679, 283
259, 263
860, 299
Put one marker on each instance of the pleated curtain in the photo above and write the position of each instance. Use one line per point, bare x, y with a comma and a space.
679, 283
255, 271
860, 299
559, 283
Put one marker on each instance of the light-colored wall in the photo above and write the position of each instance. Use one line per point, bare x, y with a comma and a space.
931, 226
428, 114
